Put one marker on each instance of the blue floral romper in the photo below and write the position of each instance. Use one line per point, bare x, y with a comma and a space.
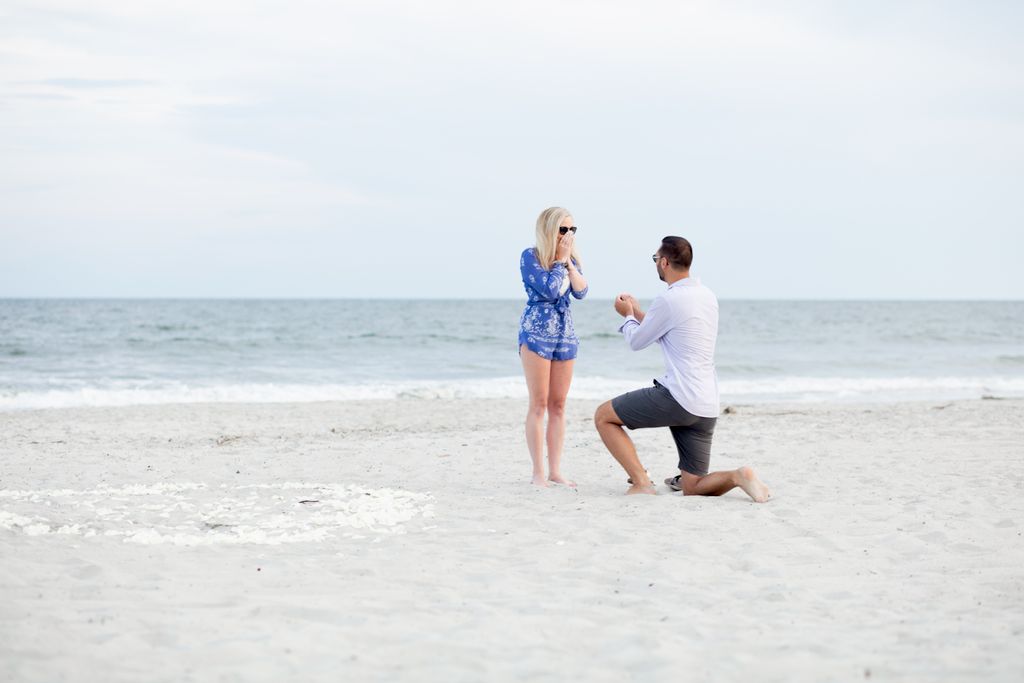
546, 326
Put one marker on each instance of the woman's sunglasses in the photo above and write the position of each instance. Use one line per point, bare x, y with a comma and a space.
562, 230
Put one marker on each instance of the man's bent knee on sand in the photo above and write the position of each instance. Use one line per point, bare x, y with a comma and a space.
683, 321
610, 427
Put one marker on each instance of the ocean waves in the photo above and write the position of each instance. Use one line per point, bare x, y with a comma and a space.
765, 389
71, 353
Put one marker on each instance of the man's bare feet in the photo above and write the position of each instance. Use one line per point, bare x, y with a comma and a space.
539, 480
754, 487
636, 489
559, 479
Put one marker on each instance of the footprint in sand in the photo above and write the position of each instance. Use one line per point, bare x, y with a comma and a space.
87, 572
933, 537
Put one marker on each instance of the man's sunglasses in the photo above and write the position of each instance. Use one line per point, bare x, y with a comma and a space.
562, 230
655, 257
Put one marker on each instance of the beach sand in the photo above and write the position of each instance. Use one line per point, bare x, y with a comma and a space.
169, 543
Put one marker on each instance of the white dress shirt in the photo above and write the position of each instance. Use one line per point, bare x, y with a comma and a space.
684, 322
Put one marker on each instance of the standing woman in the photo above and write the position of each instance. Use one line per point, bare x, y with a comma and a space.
547, 338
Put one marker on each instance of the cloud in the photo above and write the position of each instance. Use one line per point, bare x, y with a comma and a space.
92, 83
762, 119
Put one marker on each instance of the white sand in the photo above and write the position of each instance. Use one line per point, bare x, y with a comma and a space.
168, 543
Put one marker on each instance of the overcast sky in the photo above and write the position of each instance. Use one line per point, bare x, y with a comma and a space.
404, 149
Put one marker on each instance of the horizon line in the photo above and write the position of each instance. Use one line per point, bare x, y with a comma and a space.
447, 298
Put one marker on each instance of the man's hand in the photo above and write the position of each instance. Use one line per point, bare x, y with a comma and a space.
637, 313
623, 306
626, 304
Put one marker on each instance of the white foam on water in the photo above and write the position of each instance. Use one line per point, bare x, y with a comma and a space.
194, 514
125, 394
870, 388
762, 389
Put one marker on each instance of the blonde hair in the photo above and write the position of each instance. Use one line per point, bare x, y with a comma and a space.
547, 236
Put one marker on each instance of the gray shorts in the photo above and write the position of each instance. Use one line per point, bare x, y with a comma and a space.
655, 407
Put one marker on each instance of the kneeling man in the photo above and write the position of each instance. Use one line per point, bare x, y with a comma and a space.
684, 322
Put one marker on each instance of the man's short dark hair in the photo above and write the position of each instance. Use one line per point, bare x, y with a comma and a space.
678, 252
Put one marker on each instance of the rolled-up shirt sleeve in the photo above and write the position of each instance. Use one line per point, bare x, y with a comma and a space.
656, 323
583, 292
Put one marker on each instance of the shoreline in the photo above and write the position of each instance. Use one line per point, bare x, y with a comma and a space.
595, 390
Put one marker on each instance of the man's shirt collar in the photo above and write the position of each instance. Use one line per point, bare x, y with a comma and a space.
691, 281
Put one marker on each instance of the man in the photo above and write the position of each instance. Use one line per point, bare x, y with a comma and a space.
684, 322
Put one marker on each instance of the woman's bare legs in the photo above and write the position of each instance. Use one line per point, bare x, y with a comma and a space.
538, 378
558, 390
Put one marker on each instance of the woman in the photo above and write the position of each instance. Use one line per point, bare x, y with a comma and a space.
547, 339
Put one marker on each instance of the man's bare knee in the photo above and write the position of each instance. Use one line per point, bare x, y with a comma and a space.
605, 414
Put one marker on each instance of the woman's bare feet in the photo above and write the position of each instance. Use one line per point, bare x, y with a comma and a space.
559, 479
539, 480
754, 487
635, 490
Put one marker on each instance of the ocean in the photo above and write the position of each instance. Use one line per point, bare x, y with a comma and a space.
56, 353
